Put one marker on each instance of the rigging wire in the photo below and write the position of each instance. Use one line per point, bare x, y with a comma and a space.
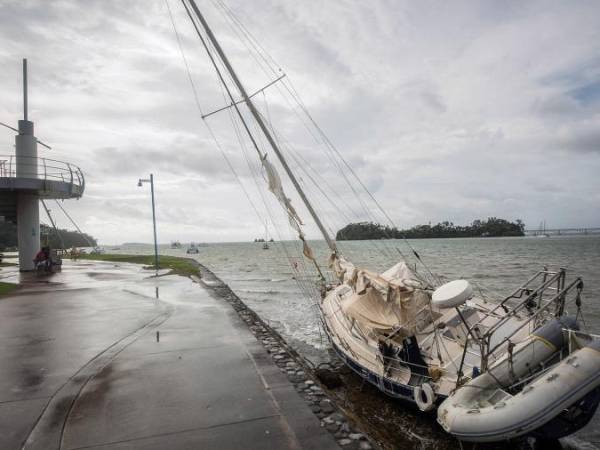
294, 95
62, 243
356, 177
74, 224
198, 105
304, 162
307, 168
254, 173
209, 128
265, 57
213, 135
379, 246
245, 37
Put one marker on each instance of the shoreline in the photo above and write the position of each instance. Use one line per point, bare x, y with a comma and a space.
341, 423
336, 419
385, 423
357, 414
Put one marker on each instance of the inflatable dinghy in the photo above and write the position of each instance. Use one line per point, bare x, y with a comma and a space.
521, 394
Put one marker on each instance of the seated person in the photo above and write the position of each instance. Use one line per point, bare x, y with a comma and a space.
42, 259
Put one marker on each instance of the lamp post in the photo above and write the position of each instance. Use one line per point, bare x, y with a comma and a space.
151, 181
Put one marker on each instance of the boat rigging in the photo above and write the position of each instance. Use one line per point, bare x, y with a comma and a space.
489, 368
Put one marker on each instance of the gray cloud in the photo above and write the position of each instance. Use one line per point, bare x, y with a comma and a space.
447, 112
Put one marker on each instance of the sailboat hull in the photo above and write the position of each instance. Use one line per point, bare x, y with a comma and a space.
362, 357
551, 415
386, 385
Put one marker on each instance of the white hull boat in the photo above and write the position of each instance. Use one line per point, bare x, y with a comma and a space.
192, 249
494, 369
429, 352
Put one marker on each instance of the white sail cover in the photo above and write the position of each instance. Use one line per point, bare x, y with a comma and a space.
394, 300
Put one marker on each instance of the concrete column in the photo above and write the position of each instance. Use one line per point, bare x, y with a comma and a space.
28, 208
28, 229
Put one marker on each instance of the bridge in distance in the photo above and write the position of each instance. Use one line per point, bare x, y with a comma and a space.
562, 231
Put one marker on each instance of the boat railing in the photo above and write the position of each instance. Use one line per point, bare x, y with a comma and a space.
12, 166
528, 295
538, 313
574, 342
420, 369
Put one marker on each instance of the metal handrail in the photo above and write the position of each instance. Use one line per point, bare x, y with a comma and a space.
41, 168
558, 300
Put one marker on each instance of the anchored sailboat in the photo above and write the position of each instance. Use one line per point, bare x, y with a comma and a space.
265, 245
493, 370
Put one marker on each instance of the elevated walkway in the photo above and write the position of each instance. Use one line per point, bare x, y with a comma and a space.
44, 178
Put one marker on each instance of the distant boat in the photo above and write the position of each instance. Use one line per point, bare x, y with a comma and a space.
265, 245
541, 233
192, 249
175, 244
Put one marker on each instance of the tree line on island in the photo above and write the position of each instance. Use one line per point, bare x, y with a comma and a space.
8, 237
492, 227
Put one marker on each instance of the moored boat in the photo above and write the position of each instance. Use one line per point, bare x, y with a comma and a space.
192, 249
488, 365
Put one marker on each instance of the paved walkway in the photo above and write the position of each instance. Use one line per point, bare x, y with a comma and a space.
102, 356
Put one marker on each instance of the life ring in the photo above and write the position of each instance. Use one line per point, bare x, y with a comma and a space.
424, 397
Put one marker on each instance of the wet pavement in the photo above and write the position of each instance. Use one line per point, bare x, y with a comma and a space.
101, 355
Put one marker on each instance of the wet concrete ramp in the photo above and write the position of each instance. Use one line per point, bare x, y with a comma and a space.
101, 362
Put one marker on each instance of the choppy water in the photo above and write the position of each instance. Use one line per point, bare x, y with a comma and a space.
264, 278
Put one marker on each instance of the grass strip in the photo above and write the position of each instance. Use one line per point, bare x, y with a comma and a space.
7, 288
180, 266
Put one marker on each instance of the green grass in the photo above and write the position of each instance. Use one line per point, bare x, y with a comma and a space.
179, 266
7, 288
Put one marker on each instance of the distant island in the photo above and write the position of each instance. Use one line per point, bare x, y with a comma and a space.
492, 227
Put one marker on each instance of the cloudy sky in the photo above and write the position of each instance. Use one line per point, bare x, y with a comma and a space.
446, 110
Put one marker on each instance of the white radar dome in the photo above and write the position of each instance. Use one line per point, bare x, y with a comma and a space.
452, 294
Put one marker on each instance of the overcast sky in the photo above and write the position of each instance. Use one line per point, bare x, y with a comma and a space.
446, 110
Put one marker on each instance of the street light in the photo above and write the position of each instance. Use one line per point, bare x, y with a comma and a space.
151, 181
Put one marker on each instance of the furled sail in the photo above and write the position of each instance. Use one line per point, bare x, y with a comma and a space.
276, 188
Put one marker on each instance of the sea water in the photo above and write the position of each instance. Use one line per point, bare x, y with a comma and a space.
273, 282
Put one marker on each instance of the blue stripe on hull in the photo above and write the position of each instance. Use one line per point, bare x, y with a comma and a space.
387, 386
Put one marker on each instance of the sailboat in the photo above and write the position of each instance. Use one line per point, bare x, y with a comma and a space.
193, 249
541, 233
265, 245
493, 370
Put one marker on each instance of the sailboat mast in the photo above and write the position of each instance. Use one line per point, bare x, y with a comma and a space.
262, 125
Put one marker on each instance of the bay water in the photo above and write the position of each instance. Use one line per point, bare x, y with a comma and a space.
274, 282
